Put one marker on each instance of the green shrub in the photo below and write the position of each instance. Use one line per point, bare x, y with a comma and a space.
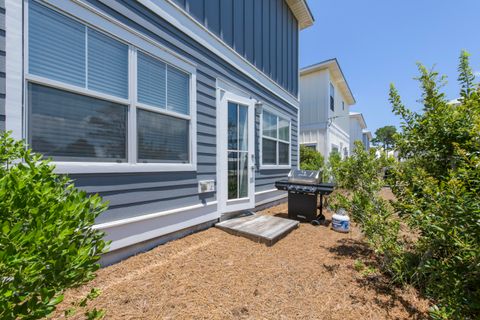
438, 191
437, 187
47, 243
310, 159
360, 177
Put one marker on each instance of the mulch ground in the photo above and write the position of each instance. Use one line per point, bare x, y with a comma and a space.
309, 274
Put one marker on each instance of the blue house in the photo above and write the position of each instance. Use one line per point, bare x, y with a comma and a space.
178, 112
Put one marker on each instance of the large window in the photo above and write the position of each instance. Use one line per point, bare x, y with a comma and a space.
92, 97
332, 97
275, 140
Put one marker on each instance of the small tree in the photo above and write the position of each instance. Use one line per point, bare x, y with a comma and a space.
385, 137
47, 243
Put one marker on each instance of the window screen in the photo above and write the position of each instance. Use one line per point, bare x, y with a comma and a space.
69, 126
162, 138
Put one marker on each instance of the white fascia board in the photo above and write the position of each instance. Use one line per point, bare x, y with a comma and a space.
176, 16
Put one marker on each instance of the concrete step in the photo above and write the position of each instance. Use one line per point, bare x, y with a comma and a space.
260, 228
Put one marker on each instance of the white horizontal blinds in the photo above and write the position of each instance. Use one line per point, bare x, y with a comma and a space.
69, 126
151, 76
56, 46
178, 88
162, 138
107, 64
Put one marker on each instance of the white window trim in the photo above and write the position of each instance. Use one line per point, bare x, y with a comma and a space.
278, 114
134, 42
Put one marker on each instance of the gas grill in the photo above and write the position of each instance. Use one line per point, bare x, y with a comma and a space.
304, 187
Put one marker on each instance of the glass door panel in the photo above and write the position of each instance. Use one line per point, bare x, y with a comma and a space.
237, 151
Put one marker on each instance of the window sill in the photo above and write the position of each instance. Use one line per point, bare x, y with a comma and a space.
100, 167
275, 167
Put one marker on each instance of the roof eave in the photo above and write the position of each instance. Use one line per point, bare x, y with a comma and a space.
332, 65
360, 117
301, 11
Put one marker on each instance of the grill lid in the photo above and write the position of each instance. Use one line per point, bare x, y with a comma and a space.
305, 176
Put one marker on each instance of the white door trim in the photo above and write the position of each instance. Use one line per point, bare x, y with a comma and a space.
224, 205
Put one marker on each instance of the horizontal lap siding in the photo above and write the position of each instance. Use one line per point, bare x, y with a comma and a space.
256, 29
131, 195
2, 65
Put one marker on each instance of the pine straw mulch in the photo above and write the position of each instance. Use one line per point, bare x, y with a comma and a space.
309, 274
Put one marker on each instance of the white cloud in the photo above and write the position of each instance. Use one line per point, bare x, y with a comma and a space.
477, 74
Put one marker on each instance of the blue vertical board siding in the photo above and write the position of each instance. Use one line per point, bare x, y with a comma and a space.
289, 52
249, 30
258, 33
260, 30
295, 56
226, 21
278, 32
180, 3
266, 36
197, 9
135, 194
212, 15
239, 26
273, 38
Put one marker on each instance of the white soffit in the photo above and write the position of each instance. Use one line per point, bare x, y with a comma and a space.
302, 12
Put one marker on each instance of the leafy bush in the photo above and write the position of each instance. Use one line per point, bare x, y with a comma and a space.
437, 187
360, 179
438, 191
310, 159
47, 243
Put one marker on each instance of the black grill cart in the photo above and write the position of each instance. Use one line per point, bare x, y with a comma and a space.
304, 188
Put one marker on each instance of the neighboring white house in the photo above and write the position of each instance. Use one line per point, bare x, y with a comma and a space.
359, 131
325, 100
366, 138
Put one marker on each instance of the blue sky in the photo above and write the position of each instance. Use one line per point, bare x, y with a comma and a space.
378, 42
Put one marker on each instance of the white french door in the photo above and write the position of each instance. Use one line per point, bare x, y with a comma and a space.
236, 159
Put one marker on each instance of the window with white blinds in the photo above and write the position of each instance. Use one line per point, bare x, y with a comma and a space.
152, 75
79, 96
275, 140
56, 46
162, 85
107, 61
